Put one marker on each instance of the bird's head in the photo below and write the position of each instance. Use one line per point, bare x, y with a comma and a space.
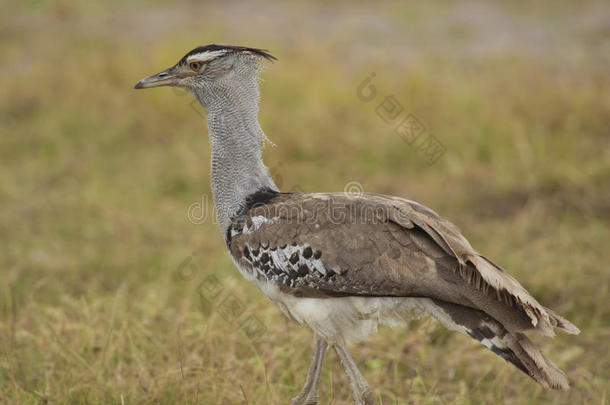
207, 66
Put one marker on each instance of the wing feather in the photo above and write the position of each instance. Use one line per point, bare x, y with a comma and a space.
376, 245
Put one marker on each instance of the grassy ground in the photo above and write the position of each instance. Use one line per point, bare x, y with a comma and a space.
109, 294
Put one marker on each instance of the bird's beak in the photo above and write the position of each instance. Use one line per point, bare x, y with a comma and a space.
164, 78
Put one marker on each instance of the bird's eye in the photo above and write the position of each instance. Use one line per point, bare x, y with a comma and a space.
195, 66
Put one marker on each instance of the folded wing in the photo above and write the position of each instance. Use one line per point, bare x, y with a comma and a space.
316, 245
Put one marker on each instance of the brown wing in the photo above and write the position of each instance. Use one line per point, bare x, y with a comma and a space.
375, 245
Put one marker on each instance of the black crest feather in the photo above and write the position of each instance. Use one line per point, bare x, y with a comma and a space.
231, 48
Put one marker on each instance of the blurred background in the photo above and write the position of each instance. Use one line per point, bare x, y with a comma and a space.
113, 290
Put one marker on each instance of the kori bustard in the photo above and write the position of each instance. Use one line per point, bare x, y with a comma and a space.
344, 263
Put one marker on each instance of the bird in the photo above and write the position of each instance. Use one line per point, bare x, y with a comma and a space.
344, 263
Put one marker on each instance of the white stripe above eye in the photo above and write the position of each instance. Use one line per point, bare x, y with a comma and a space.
205, 56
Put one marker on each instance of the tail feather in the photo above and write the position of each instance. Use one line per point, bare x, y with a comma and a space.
536, 365
514, 347
562, 323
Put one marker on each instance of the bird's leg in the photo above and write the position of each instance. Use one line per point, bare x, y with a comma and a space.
360, 389
309, 393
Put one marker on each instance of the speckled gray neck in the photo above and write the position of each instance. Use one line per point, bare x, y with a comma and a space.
236, 137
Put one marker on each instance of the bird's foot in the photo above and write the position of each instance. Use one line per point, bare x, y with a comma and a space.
304, 399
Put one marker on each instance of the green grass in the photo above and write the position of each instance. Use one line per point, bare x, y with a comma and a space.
97, 302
